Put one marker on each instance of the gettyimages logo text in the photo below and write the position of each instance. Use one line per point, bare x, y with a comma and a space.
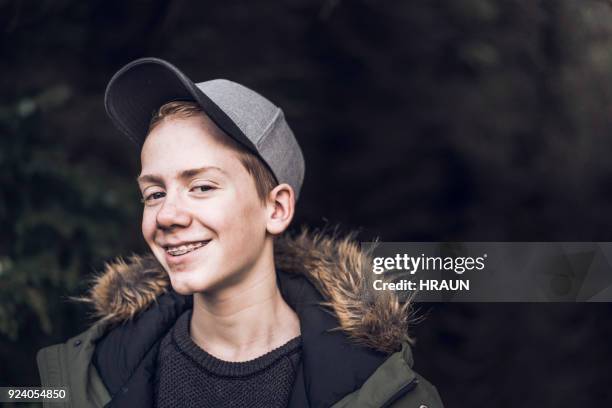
414, 264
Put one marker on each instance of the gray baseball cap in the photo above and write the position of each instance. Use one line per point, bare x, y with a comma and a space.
141, 87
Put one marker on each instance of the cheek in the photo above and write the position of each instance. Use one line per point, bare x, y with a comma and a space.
148, 225
241, 224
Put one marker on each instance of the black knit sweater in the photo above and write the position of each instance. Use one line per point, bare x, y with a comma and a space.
188, 376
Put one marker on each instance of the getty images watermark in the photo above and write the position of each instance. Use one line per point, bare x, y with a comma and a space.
492, 271
411, 265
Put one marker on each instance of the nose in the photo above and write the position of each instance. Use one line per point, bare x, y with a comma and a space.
172, 214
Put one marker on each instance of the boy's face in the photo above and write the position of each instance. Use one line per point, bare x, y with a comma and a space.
202, 216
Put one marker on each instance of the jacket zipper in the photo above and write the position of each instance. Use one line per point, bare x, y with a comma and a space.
400, 393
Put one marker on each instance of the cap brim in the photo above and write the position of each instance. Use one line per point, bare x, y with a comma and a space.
141, 87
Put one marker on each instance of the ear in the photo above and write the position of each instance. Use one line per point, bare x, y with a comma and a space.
280, 208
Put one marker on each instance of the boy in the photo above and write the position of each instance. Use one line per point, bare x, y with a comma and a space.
226, 312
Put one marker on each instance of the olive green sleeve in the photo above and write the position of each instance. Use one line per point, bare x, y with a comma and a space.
424, 395
52, 372
70, 365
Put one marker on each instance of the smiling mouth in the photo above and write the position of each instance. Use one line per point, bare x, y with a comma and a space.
184, 249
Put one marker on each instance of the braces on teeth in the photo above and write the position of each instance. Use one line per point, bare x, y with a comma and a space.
183, 249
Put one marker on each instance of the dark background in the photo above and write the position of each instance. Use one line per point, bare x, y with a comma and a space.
467, 120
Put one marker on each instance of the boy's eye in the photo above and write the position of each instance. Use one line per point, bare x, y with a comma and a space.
152, 197
202, 189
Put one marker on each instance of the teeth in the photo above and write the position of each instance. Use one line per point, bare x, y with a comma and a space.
183, 249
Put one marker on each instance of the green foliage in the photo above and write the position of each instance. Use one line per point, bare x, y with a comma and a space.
59, 215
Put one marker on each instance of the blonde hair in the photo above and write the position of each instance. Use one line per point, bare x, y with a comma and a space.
262, 175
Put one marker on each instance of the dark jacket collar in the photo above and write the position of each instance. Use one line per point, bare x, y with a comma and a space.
331, 366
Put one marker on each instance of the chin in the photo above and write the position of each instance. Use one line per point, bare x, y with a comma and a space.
185, 286
183, 290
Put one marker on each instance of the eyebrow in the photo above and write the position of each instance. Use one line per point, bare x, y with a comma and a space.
183, 175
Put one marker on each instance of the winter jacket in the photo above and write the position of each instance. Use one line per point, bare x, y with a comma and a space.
355, 347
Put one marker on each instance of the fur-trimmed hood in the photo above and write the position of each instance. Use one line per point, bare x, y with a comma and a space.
336, 266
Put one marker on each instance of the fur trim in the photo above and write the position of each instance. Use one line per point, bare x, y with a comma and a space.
126, 288
336, 266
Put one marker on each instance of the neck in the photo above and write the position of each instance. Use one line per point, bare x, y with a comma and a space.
245, 320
